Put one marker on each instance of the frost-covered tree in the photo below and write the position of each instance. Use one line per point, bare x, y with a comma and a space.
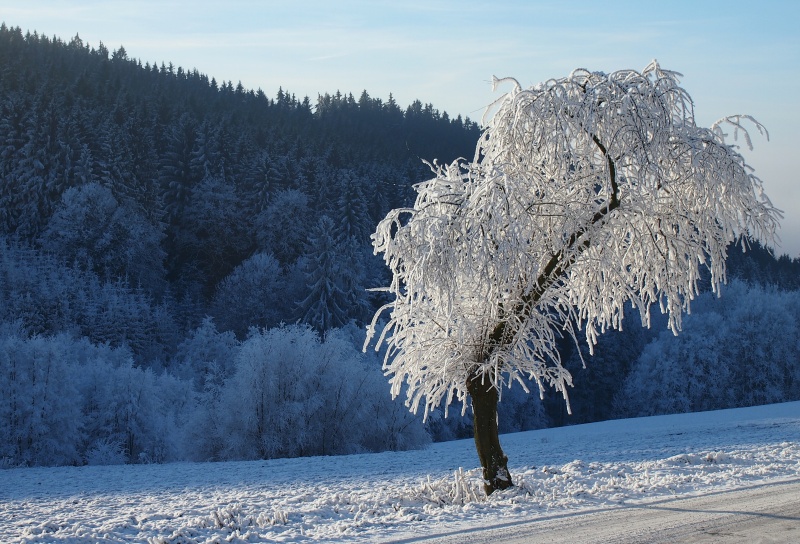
206, 359
333, 273
40, 420
280, 227
91, 228
214, 230
203, 349
48, 298
586, 193
251, 296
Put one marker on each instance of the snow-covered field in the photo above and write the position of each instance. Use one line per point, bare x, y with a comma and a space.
396, 496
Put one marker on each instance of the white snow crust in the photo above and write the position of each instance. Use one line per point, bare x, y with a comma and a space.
403, 495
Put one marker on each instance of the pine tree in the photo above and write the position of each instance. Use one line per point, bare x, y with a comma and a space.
326, 305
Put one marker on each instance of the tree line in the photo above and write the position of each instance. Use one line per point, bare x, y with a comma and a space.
168, 241
210, 172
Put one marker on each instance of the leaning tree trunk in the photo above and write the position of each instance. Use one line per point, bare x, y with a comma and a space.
487, 438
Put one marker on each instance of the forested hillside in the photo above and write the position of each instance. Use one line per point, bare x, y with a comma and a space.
171, 180
184, 267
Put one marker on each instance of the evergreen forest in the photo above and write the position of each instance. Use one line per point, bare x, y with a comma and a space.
185, 268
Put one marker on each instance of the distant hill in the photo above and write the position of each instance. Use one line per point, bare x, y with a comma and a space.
167, 142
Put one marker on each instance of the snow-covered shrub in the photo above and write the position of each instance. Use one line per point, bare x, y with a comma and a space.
105, 451
293, 394
67, 401
136, 407
742, 349
206, 354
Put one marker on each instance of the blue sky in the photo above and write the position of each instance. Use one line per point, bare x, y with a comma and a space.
736, 56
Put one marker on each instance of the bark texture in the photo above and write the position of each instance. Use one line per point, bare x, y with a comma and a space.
487, 438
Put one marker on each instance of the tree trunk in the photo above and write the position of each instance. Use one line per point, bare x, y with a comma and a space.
487, 439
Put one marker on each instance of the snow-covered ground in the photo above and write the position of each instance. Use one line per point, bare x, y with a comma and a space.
396, 496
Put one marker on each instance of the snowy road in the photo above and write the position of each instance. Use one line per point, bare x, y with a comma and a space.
756, 515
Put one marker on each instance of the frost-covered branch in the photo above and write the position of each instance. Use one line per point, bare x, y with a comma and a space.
586, 194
